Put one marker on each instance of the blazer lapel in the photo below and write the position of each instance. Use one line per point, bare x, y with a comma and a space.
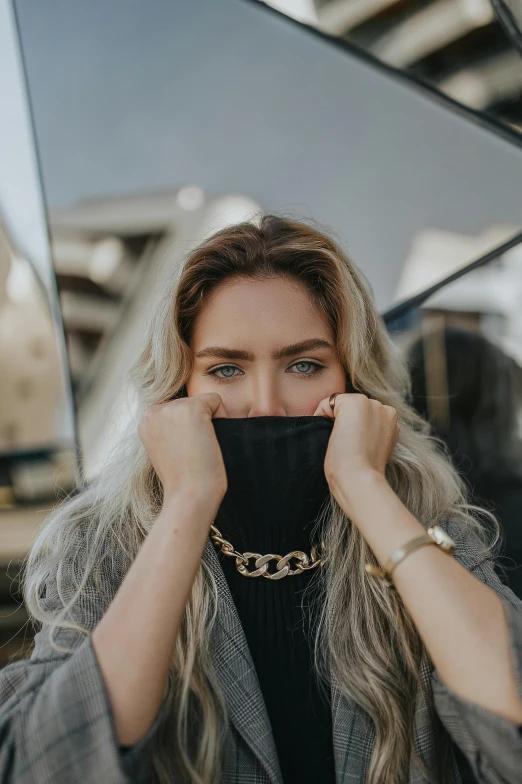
235, 669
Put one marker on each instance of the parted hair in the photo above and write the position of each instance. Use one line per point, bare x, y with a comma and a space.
363, 633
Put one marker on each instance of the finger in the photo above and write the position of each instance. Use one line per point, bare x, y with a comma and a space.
213, 404
324, 409
221, 412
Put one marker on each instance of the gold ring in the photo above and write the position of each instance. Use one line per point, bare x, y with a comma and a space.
331, 400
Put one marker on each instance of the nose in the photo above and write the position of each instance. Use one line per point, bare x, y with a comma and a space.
266, 409
266, 403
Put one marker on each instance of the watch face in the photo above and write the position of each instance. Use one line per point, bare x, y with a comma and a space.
441, 538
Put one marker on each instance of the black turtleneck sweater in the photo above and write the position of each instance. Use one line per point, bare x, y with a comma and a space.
276, 489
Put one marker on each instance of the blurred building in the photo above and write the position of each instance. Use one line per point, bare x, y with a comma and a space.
458, 46
110, 257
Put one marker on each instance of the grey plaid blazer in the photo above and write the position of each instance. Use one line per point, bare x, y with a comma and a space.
56, 725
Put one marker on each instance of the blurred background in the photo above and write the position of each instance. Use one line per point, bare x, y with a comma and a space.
135, 130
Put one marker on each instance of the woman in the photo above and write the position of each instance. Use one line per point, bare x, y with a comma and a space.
142, 670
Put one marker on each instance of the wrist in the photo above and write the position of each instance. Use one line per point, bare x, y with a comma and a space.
354, 488
377, 511
193, 502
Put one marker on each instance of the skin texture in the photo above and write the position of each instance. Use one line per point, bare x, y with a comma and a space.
261, 317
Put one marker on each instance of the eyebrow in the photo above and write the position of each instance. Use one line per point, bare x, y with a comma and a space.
287, 351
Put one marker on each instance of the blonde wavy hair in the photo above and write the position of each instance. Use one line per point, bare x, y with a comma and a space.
364, 634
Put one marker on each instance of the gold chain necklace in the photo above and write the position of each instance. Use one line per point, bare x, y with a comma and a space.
304, 561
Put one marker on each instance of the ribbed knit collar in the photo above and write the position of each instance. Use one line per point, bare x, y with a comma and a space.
276, 480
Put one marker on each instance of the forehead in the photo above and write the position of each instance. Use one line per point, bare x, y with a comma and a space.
273, 309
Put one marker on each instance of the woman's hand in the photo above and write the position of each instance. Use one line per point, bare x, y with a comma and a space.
181, 443
363, 437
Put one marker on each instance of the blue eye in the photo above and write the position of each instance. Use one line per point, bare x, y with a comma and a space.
222, 367
316, 368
